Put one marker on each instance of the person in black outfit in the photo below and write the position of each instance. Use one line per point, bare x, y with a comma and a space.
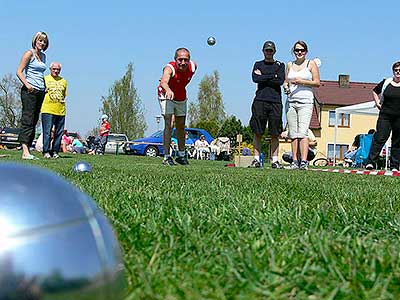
269, 75
387, 98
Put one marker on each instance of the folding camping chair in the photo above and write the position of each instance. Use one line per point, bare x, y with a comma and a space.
363, 151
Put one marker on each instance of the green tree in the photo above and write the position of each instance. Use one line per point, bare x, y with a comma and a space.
230, 128
211, 126
93, 132
209, 105
10, 103
124, 107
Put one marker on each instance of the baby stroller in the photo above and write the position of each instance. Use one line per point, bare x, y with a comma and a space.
96, 144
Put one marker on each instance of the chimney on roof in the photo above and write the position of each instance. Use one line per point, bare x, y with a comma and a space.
344, 81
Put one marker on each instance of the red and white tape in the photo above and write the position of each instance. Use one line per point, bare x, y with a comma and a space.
360, 172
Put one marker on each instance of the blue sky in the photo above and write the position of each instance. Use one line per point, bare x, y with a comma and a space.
95, 41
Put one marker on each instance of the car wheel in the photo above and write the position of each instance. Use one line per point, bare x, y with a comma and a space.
151, 151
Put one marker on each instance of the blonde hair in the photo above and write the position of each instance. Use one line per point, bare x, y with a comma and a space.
40, 34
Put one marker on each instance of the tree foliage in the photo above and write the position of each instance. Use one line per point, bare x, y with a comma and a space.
124, 107
232, 127
211, 126
209, 105
10, 103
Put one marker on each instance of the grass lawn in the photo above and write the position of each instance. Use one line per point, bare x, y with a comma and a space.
206, 231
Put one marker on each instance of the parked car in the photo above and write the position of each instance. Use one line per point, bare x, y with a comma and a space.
153, 145
116, 143
9, 137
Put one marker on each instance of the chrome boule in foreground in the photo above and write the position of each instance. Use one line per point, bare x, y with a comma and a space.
54, 240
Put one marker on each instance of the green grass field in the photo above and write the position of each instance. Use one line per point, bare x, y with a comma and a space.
206, 231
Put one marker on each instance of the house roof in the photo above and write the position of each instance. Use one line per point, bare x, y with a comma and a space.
329, 93
315, 122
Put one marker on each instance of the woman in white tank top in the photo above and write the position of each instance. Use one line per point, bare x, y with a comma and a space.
302, 76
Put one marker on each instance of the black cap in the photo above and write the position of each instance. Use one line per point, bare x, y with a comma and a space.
269, 45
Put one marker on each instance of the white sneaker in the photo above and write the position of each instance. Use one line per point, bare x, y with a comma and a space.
369, 167
46, 155
303, 165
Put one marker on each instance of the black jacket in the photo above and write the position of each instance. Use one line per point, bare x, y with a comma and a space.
270, 81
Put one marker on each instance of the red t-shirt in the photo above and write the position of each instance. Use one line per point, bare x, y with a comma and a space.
105, 128
179, 80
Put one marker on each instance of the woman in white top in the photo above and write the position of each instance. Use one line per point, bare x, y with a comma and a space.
302, 75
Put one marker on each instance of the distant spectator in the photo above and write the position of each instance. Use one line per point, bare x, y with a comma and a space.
246, 151
65, 141
100, 142
202, 148
350, 155
173, 147
76, 146
39, 143
371, 131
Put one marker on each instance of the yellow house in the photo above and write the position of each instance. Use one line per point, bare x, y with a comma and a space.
331, 95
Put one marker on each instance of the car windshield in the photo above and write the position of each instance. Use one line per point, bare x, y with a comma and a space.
10, 130
157, 134
118, 138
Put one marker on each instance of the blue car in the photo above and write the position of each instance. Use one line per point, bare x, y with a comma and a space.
153, 145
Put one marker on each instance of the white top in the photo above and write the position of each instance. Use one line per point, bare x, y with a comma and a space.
300, 93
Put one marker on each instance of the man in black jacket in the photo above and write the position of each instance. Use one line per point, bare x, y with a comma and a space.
269, 75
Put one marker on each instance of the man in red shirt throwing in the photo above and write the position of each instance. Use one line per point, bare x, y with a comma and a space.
173, 102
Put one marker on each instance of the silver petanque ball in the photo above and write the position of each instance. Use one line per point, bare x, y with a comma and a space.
211, 41
82, 166
55, 243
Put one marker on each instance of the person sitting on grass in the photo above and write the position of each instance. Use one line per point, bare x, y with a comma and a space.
350, 155
76, 146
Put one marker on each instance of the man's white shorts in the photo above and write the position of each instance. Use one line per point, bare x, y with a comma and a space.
171, 107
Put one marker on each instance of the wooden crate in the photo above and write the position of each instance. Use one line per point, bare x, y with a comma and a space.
243, 161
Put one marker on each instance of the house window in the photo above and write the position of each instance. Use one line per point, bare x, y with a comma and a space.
343, 119
341, 149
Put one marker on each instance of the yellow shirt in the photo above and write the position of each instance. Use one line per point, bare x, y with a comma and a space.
54, 101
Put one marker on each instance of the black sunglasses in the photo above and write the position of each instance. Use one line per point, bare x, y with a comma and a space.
299, 50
